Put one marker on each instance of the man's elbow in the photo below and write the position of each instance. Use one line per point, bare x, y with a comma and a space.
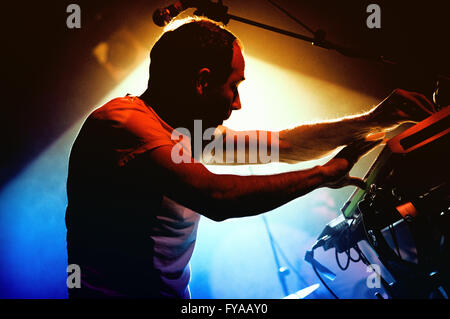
217, 213
219, 207
217, 217
212, 200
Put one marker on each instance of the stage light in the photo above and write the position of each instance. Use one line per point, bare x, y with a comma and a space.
120, 54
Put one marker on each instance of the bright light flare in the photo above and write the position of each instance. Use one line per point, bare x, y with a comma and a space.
274, 99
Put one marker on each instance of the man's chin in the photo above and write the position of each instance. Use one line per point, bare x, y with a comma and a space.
212, 124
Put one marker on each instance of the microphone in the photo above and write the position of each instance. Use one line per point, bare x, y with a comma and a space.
162, 16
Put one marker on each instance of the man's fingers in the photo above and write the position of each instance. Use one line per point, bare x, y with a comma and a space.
368, 145
355, 150
358, 182
348, 151
375, 136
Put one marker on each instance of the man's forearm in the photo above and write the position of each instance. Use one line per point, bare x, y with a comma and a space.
307, 142
302, 143
227, 196
239, 196
312, 141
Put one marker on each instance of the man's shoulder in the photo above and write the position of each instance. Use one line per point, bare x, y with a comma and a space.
130, 121
120, 107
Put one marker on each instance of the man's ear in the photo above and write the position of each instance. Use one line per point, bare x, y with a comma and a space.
202, 80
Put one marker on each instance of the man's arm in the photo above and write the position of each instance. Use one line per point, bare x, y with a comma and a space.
226, 196
313, 141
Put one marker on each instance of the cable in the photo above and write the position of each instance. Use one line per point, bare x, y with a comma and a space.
291, 16
323, 282
350, 256
360, 257
339, 263
348, 251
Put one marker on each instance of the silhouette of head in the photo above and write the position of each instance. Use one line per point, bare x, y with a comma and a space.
189, 68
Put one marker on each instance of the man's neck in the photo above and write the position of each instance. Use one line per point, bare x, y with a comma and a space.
167, 113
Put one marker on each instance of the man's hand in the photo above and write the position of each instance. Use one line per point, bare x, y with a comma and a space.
338, 168
402, 106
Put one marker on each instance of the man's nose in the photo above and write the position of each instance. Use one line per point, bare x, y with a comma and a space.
236, 105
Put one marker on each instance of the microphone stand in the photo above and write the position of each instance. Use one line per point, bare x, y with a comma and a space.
318, 40
280, 270
219, 12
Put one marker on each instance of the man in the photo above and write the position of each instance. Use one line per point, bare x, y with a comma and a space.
133, 209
